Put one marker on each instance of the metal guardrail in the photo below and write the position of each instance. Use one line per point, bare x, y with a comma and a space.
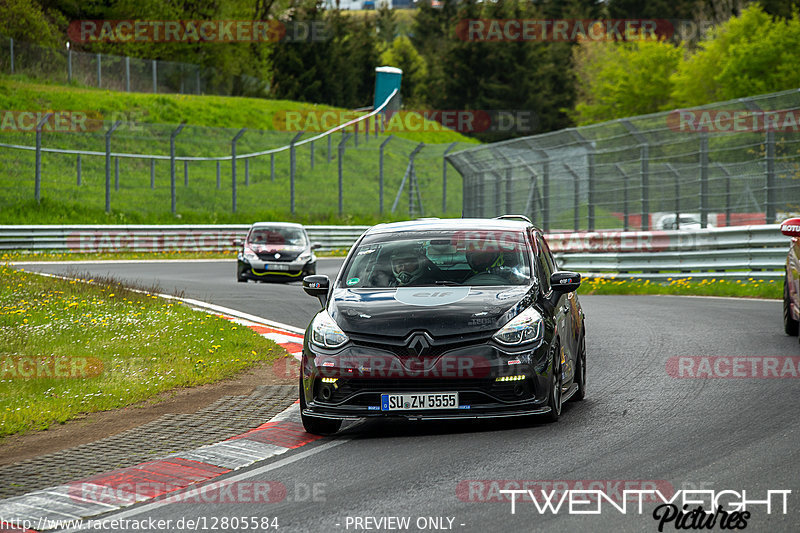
146, 238
739, 252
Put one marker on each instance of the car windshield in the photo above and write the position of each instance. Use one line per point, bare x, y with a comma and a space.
443, 258
277, 236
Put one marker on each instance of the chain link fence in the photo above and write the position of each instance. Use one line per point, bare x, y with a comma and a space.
728, 163
121, 73
153, 169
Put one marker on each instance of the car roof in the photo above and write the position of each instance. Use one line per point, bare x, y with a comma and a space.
452, 224
276, 225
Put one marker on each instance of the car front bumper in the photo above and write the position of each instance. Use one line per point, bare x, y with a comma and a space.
364, 374
260, 270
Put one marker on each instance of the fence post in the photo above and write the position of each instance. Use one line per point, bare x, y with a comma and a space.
247, 172
185, 173
312, 155
11, 44
99, 71
644, 155
498, 203
116, 173
155, 76
153, 174
576, 202
292, 168
380, 172
172, 164
78, 168
590, 177
218, 180
38, 170
444, 176
233, 166
546, 192
69, 63
728, 206
329, 147
355, 139
703, 180
677, 196
127, 74
340, 163
770, 181
272, 167
108, 164
625, 212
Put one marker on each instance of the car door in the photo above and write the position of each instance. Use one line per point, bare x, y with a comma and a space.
561, 312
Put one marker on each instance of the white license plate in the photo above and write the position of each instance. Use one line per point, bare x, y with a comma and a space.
274, 266
419, 401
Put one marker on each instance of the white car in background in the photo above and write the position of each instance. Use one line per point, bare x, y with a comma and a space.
686, 221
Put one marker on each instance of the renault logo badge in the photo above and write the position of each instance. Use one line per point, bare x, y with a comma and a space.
419, 343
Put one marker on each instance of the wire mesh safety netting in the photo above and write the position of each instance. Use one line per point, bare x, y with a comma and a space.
723, 164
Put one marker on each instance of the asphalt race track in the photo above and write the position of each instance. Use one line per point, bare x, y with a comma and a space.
638, 424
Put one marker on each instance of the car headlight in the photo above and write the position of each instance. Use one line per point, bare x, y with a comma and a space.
325, 332
304, 257
527, 326
249, 254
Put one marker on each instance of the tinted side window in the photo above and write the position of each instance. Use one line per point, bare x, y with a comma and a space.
545, 265
551, 261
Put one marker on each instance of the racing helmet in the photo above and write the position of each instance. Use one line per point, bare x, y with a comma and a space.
407, 263
484, 260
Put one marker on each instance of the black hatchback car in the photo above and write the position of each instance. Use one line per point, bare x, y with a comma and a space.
442, 319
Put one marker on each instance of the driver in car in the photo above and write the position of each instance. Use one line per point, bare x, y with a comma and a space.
411, 266
490, 263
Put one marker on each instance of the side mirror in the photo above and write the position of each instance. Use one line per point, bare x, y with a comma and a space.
316, 245
565, 281
318, 287
791, 227
237, 242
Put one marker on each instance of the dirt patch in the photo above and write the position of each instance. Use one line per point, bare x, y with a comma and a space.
94, 426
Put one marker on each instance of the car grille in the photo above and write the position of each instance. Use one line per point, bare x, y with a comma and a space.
399, 346
471, 391
284, 256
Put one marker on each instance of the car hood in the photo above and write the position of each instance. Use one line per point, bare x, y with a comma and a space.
442, 311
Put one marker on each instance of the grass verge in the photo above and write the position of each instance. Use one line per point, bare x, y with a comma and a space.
68, 347
749, 288
142, 188
44, 256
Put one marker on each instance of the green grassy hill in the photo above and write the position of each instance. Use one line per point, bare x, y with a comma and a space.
212, 121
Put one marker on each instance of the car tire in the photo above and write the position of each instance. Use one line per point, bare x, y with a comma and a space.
555, 394
580, 372
314, 425
790, 325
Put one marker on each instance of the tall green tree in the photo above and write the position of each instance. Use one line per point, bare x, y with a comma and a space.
402, 54
622, 79
747, 55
